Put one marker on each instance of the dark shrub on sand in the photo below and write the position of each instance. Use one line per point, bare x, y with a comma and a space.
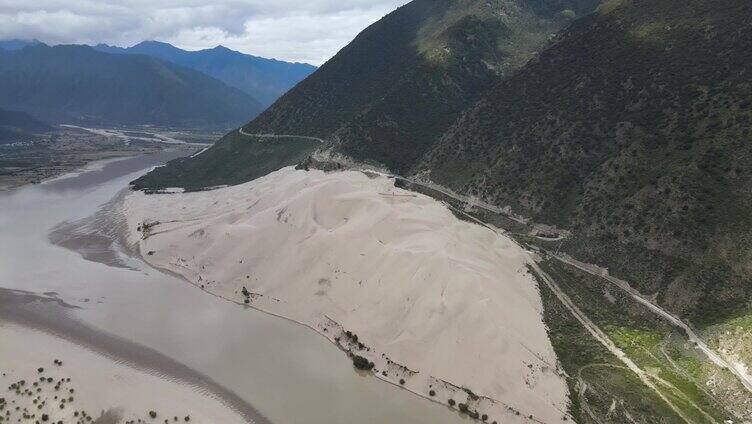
361, 363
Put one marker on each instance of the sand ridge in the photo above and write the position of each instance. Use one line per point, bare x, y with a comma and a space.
437, 304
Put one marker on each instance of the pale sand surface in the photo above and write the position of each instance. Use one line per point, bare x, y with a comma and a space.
437, 302
100, 384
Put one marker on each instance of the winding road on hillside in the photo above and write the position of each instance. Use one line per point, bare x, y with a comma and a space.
466, 199
592, 327
305, 137
602, 273
603, 339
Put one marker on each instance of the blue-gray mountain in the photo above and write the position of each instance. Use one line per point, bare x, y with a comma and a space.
17, 44
19, 126
264, 79
77, 84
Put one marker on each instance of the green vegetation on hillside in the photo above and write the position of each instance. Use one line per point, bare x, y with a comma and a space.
601, 388
388, 96
702, 391
235, 159
633, 131
684, 375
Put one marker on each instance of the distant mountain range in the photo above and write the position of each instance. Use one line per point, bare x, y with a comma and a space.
264, 79
19, 126
80, 84
219, 73
17, 44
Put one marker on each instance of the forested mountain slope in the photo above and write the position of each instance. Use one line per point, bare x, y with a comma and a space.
388, 96
632, 130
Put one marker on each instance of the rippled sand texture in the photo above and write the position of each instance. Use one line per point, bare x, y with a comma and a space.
437, 304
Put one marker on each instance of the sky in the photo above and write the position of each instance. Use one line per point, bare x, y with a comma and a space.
309, 31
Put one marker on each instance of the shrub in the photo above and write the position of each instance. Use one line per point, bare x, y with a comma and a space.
431, 393
451, 402
362, 363
402, 381
470, 393
153, 414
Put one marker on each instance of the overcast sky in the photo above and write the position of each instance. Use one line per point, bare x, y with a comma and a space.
295, 30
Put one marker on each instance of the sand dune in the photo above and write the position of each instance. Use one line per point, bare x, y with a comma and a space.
439, 303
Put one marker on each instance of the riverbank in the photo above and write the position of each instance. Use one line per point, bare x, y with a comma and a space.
53, 380
433, 304
46, 325
68, 149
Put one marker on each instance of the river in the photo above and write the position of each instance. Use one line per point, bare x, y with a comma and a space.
287, 372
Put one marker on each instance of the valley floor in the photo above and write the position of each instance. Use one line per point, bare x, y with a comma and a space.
70, 148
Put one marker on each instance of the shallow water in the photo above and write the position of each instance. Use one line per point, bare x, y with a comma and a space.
286, 371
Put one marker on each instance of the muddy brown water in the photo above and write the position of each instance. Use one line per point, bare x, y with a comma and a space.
262, 366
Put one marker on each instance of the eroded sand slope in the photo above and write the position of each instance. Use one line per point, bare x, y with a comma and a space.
437, 302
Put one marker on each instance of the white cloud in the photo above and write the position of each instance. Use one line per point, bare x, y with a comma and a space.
296, 30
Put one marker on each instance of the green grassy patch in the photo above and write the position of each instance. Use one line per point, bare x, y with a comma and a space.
680, 373
601, 388
233, 160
